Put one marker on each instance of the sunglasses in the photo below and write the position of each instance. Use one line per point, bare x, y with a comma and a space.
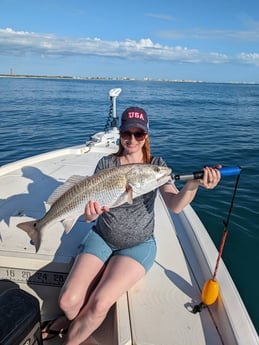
139, 136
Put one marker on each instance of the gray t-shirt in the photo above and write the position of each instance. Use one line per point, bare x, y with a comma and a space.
127, 225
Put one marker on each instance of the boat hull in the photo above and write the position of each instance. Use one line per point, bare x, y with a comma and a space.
158, 309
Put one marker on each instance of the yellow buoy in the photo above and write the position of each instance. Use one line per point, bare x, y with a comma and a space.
210, 292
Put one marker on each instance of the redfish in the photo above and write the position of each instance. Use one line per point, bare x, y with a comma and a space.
110, 187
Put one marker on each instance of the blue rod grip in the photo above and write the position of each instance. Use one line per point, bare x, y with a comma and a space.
230, 171
227, 171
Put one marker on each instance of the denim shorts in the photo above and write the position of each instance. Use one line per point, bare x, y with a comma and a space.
144, 252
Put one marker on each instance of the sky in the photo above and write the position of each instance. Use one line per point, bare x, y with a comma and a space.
201, 40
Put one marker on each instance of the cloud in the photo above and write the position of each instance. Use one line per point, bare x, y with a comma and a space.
20, 43
216, 34
249, 58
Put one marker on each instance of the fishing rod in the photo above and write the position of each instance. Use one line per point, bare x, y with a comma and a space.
210, 290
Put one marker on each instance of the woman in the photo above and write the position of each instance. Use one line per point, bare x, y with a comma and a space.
121, 240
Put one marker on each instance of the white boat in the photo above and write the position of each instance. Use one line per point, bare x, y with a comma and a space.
158, 309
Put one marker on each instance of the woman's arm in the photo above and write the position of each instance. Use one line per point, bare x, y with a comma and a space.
176, 200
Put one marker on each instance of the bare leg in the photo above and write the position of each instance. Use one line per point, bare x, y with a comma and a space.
77, 288
113, 284
86, 271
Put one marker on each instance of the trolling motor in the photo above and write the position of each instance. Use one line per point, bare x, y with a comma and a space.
112, 116
110, 135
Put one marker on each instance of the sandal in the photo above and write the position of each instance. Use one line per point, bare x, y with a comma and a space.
52, 333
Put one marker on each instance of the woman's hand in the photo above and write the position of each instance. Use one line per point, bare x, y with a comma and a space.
93, 210
210, 178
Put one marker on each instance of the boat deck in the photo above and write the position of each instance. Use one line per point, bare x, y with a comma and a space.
157, 310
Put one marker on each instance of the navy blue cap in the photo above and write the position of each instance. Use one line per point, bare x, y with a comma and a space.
134, 117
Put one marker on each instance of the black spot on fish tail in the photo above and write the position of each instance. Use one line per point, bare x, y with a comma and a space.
31, 229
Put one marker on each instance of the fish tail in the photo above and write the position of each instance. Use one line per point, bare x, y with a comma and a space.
31, 229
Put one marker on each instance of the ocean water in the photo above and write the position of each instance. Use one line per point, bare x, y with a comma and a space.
192, 125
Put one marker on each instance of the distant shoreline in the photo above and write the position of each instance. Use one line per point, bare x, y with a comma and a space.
24, 76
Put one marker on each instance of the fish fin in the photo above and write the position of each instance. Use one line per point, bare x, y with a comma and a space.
68, 223
126, 196
31, 229
60, 190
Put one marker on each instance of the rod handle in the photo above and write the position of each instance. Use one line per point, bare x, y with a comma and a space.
227, 171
